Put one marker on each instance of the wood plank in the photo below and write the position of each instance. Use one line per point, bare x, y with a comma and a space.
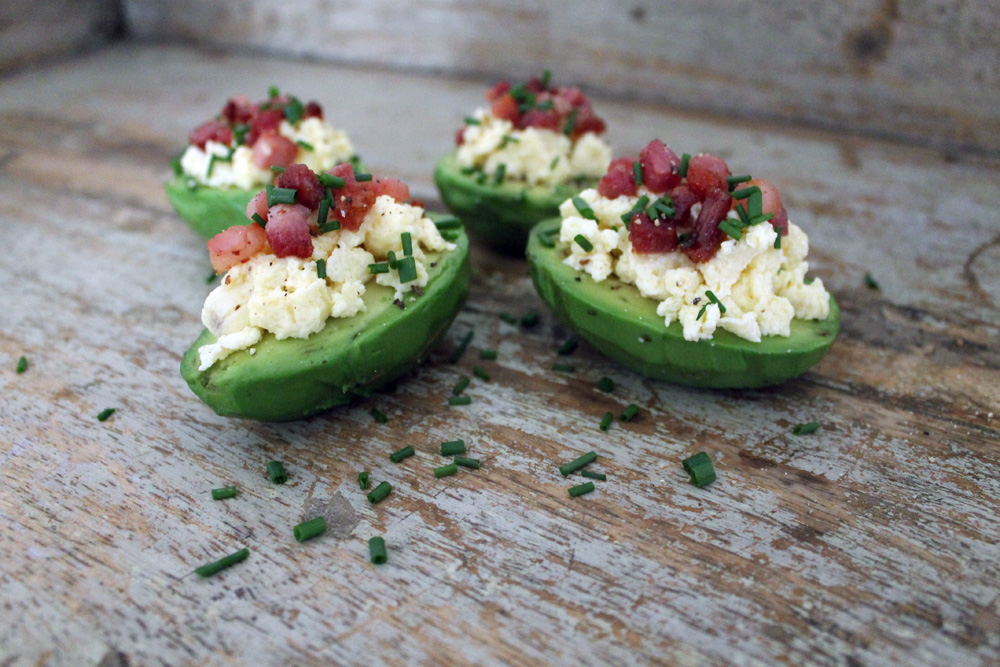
31, 31
874, 541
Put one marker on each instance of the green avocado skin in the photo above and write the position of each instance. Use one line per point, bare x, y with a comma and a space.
500, 215
348, 359
622, 324
209, 211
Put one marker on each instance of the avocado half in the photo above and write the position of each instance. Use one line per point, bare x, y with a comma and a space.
209, 211
348, 359
622, 324
500, 215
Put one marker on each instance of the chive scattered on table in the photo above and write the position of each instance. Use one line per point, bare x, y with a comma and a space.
446, 471
452, 447
104, 414
700, 468
221, 564
606, 384
529, 319
606, 421
870, 281
487, 354
376, 550
459, 400
379, 417
577, 463
309, 529
568, 345
400, 454
509, 318
581, 489
462, 344
364, 480
460, 386
467, 462
22, 365
480, 373
594, 475
379, 492
805, 429
563, 368
224, 492
276, 472
629, 413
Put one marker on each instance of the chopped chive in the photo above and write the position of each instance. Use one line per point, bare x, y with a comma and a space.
380, 267
221, 564
393, 262
777, 240
361, 178
564, 368
568, 345
333, 226
594, 475
305, 144
450, 234
240, 133
309, 529
499, 174
321, 269
555, 161
22, 365
224, 492
700, 468
379, 417
576, 464
280, 195
105, 413
459, 400
480, 373
546, 78
364, 480
546, 240
376, 550
806, 429
637, 173
460, 386
530, 318
276, 472
755, 204
452, 447
446, 471
259, 220
407, 269
509, 318
467, 462
331, 181
732, 228
714, 299
640, 205
584, 209
743, 215
294, 111
736, 180
379, 492
487, 354
761, 218
745, 192
450, 222
275, 169
462, 344
629, 413
582, 241
606, 384
682, 169
407, 240
323, 212
176, 164
469, 120
581, 489
272, 92
401, 454
570, 126
606, 421
211, 277
870, 281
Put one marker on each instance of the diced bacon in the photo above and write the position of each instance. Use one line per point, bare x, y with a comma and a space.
707, 235
213, 130
683, 199
313, 110
238, 111
396, 189
620, 179
587, 122
707, 172
771, 203
258, 205
352, 202
235, 245
288, 230
506, 108
659, 166
302, 179
535, 86
543, 119
652, 236
499, 90
263, 123
460, 136
274, 150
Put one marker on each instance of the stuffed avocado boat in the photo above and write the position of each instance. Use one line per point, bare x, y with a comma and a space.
229, 158
683, 272
517, 160
338, 288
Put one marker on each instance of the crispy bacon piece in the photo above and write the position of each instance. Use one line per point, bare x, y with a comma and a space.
236, 245
239, 111
213, 130
304, 180
652, 236
352, 202
274, 150
620, 179
707, 172
288, 231
707, 235
659, 166
771, 201
258, 205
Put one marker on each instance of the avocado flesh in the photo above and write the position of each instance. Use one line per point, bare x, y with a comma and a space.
348, 359
622, 324
209, 211
500, 215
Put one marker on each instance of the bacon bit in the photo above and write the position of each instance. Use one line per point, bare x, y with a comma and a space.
707, 172
541, 119
274, 150
264, 122
460, 136
313, 110
499, 90
562, 102
304, 180
213, 130
771, 201
648, 237
352, 202
684, 199
288, 231
506, 108
620, 179
258, 205
236, 245
239, 111
708, 237
659, 166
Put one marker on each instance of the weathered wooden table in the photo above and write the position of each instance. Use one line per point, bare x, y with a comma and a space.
873, 541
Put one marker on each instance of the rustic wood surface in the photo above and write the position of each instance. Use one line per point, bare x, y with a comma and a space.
31, 30
874, 541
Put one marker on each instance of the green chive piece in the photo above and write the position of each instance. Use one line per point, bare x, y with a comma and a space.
568, 345
606, 384
570, 126
22, 365
272, 92
459, 400
546, 78
294, 111
407, 269
702, 311
450, 234
364, 480
323, 212
555, 161
806, 429
460, 386
467, 462
629, 413
637, 173
469, 120
682, 169
309, 529
581, 489
584, 209
564, 368
321, 269
333, 226
276, 472
259, 220
700, 468
714, 299
222, 563
480, 373
446, 471
545, 240
379, 492
743, 215
870, 281
594, 475
275, 169
755, 204
361, 178
240, 133
380, 267
407, 240
376, 550
331, 181
777, 240
452, 447
280, 195
224, 492
305, 144
508, 318
499, 174
736, 180
450, 222
732, 228
577, 463
105, 413
487, 354
379, 417
393, 262
462, 344
176, 164
761, 218
606, 421
745, 192
401, 454
530, 319
211, 277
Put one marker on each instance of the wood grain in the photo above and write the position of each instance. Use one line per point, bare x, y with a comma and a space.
874, 541
31, 31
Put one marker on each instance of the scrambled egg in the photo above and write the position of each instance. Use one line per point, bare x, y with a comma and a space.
287, 297
534, 156
761, 287
329, 148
